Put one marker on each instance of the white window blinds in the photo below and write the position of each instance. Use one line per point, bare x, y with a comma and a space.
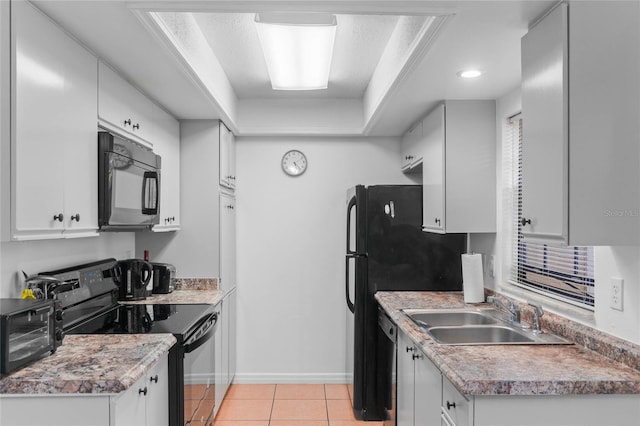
564, 273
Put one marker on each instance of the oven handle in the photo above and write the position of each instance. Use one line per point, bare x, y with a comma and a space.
203, 333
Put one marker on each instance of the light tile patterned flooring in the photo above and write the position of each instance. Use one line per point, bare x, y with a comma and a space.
288, 405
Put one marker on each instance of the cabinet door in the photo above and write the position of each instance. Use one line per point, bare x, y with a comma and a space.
129, 407
232, 327
405, 389
428, 388
157, 409
166, 139
227, 156
433, 171
122, 107
219, 377
81, 148
37, 147
410, 148
227, 241
455, 406
544, 127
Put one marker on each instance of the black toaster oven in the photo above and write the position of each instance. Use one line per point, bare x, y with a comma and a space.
27, 330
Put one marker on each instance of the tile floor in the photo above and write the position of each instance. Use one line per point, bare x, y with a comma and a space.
288, 405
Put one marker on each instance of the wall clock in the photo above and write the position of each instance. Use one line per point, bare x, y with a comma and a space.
294, 163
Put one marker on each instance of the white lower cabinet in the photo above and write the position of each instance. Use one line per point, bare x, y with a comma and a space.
143, 404
418, 387
225, 347
425, 397
456, 410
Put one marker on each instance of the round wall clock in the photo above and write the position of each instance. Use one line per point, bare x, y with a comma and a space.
294, 163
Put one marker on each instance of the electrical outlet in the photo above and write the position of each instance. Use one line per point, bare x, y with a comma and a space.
616, 293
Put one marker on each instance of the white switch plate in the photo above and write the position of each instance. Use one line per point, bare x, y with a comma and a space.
617, 286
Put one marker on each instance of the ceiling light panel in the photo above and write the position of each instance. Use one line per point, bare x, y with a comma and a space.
298, 49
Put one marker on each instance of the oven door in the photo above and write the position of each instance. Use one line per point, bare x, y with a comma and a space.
199, 374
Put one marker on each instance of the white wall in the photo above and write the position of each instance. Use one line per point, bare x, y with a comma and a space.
620, 262
290, 251
38, 256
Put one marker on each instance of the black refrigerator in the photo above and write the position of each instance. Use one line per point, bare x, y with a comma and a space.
387, 250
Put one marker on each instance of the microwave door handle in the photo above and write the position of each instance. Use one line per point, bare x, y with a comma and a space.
150, 193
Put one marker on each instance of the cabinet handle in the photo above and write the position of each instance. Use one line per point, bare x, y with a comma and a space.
525, 222
143, 391
408, 157
76, 217
437, 221
154, 379
59, 217
136, 126
128, 121
233, 178
410, 349
451, 405
416, 356
173, 218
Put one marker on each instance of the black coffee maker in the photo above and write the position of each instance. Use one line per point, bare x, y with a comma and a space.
132, 276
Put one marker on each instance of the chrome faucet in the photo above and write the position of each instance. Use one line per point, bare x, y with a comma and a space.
511, 308
537, 313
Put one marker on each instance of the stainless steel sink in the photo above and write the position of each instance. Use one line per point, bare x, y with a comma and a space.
478, 335
477, 327
433, 318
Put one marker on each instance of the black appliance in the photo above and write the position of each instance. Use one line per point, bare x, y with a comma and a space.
128, 184
132, 276
191, 359
27, 332
388, 251
164, 277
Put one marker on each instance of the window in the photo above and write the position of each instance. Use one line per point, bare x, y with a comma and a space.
564, 273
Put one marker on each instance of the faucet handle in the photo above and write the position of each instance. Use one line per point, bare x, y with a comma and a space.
537, 309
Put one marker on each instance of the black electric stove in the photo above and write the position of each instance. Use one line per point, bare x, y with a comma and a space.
86, 298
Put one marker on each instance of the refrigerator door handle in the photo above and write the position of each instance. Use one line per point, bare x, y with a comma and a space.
350, 304
352, 204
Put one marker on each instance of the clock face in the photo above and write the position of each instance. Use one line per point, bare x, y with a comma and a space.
294, 163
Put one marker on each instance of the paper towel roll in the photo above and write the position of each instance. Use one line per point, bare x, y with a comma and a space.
472, 278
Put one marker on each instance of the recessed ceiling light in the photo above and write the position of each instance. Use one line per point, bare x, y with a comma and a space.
297, 49
469, 73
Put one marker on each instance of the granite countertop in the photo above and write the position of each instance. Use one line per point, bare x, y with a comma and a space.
188, 291
596, 364
90, 364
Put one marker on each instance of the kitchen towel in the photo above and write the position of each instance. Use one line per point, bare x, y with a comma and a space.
472, 278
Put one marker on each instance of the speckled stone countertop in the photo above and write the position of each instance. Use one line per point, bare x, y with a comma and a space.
597, 364
97, 364
188, 291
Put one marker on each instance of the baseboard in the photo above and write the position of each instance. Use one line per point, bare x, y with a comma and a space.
257, 378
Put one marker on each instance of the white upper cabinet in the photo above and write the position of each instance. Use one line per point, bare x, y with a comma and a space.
227, 158
122, 108
580, 109
411, 148
166, 143
458, 171
54, 141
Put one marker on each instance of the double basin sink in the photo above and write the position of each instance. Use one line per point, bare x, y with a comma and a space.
477, 327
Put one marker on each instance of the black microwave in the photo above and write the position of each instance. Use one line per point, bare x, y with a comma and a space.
27, 332
128, 184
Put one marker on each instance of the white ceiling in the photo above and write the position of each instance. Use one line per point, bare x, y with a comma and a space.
359, 43
483, 34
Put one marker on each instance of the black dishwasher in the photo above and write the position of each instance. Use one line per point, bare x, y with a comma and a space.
387, 356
